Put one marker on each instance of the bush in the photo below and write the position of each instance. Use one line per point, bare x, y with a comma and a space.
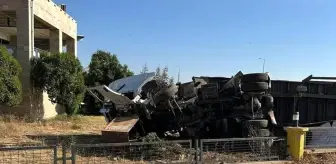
10, 85
61, 76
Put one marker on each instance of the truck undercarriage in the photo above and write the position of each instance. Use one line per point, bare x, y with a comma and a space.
240, 106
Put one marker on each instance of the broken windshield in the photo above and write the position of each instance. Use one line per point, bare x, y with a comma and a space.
132, 83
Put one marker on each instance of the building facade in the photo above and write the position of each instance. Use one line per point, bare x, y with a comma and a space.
28, 27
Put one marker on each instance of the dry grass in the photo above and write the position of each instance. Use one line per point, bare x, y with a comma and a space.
13, 130
327, 158
107, 160
28, 156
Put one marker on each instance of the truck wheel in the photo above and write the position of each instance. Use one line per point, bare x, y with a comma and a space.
267, 101
257, 123
264, 133
165, 93
256, 132
224, 127
255, 77
254, 87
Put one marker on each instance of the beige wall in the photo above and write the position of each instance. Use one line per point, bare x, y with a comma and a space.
4, 36
24, 51
49, 109
10, 4
36, 103
55, 41
55, 16
72, 46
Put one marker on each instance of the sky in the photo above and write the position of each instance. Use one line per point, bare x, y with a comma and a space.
211, 38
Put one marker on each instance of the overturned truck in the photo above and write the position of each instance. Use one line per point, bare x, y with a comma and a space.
240, 106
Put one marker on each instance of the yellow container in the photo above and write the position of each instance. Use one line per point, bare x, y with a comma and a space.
296, 141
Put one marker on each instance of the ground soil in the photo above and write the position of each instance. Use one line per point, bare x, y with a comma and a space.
15, 131
327, 158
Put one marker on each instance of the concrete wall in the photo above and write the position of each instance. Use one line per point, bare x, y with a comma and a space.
49, 109
55, 16
10, 4
52, 14
4, 36
36, 103
24, 49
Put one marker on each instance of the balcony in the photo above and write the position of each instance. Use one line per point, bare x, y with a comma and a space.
12, 50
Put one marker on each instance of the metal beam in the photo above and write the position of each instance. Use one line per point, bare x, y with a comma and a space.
311, 77
308, 95
307, 78
324, 78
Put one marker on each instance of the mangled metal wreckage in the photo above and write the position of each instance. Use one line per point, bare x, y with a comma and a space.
134, 106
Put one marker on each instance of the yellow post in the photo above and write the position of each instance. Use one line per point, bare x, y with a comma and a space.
296, 141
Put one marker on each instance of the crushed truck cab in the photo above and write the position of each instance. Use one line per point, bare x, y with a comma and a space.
205, 107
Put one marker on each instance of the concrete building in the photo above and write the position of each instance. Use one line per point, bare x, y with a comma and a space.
28, 27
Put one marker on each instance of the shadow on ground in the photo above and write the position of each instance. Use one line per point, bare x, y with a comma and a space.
66, 140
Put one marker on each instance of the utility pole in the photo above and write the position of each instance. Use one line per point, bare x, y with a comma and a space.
178, 74
263, 64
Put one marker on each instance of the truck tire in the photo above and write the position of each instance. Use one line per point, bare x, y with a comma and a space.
255, 77
256, 132
171, 90
264, 133
257, 123
254, 87
251, 128
224, 127
165, 94
267, 101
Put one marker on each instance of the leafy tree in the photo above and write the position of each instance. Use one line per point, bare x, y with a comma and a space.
171, 80
126, 71
103, 69
161, 75
61, 76
10, 85
144, 69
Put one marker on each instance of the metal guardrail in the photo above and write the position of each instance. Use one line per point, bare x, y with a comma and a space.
321, 137
236, 150
135, 152
28, 154
38, 51
12, 50
227, 150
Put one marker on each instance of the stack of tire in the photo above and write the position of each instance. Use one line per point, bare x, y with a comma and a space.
165, 94
256, 83
255, 128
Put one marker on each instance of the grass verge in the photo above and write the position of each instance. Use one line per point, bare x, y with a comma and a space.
15, 131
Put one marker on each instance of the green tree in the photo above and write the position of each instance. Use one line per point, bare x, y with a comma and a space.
10, 85
144, 69
162, 76
61, 76
126, 71
103, 69
171, 80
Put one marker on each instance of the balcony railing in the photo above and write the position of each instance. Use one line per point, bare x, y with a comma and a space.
38, 51
12, 50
